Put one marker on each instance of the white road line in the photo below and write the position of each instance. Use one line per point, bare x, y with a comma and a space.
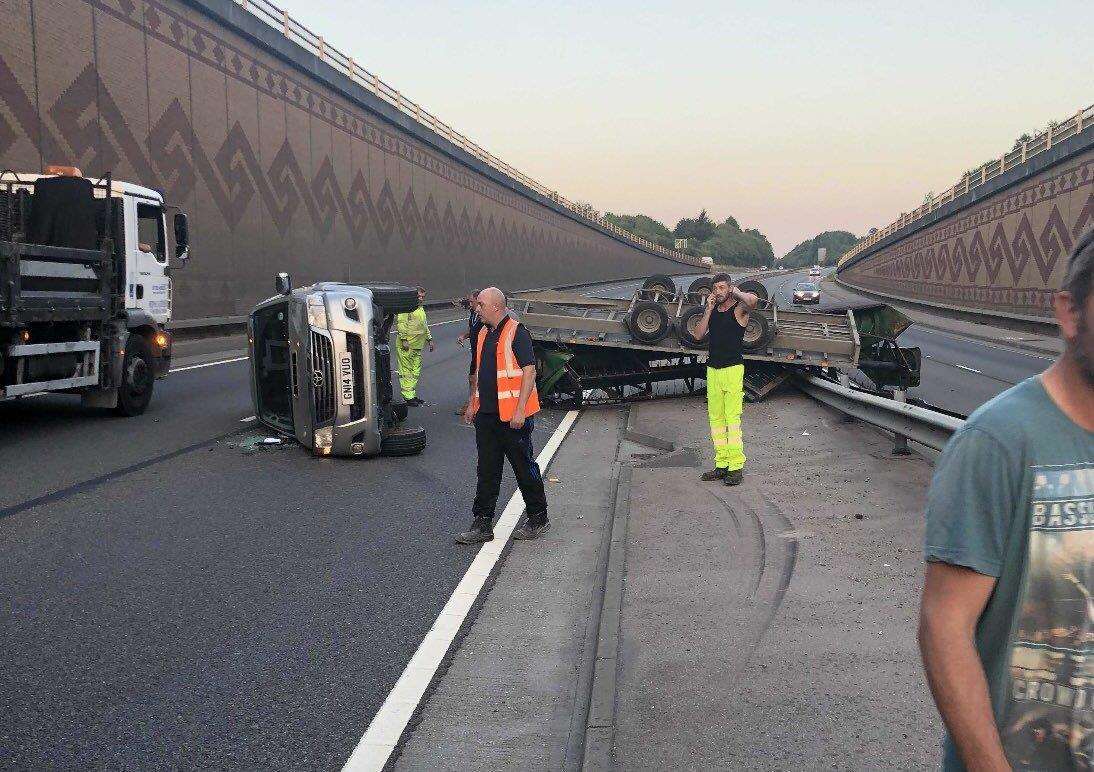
970, 369
379, 740
207, 364
248, 419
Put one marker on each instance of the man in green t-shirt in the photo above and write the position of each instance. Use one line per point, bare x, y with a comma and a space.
1007, 618
412, 333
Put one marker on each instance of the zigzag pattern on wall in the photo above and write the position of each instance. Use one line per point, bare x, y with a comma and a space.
234, 175
956, 250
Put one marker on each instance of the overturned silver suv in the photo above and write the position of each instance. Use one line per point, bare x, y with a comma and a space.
321, 367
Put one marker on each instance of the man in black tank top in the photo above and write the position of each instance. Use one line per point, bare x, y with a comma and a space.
725, 320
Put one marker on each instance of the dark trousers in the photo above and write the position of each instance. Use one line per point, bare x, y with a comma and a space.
498, 441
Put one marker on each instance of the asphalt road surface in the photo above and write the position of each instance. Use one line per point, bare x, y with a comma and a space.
172, 602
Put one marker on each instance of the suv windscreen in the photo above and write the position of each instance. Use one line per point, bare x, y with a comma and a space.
273, 370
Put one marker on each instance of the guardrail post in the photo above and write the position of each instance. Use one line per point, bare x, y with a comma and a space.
900, 442
285, 23
1048, 140
1024, 150
1079, 122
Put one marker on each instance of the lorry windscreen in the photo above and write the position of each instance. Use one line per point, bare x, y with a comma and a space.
273, 366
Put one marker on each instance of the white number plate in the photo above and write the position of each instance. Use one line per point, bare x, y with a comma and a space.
345, 379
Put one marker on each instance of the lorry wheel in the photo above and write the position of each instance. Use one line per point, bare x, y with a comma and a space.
758, 333
648, 322
702, 286
755, 287
394, 298
660, 283
685, 328
135, 390
403, 441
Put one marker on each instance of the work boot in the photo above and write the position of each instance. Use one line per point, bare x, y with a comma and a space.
531, 530
415, 402
736, 477
714, 474
480, 532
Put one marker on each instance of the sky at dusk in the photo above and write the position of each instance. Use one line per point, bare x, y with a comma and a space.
793, 117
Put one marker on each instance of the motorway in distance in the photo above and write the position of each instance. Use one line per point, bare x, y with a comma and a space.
175, 601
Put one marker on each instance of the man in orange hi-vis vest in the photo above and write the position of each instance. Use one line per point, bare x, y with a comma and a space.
501, 404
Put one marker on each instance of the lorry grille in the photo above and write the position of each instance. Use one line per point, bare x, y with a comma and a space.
353, 345
322, 377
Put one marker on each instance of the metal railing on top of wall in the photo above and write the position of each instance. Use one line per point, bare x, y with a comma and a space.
280, 20
1056, 133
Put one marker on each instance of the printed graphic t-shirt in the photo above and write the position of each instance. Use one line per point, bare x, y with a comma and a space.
1013, 498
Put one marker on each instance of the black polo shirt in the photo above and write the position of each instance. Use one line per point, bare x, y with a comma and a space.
488, 373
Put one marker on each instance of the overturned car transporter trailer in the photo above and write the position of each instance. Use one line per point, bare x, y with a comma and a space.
604, 350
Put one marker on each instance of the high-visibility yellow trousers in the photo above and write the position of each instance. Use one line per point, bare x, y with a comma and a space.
410, 370
725, 401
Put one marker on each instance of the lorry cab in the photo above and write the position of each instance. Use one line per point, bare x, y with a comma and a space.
142, 217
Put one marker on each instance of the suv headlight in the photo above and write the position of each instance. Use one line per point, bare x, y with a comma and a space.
317, 311
324, 440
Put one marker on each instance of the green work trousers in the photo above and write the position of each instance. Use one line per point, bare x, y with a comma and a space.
725, 401
410, 369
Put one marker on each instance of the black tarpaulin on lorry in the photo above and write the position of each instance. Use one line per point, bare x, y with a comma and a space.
64, 213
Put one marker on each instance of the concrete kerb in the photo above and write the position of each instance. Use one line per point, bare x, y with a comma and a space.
599, 731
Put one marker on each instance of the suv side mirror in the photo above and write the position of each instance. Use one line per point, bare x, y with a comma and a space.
283, 284
182, 237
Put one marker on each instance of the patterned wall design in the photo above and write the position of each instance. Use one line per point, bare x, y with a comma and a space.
277, 171
1006, 254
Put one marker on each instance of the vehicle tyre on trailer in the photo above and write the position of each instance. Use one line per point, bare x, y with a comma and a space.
660, 283
755, 287
685, 328
702, 286
135, 390
394, 298
403, 441
648, 322
759, 333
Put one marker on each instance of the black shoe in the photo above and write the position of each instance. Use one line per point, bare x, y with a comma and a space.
714, 474
531, 530
415, 402
736, 477
480, 532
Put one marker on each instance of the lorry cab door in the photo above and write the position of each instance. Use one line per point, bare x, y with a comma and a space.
147, 285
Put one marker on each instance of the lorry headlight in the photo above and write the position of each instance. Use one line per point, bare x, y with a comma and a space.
161, 340
317, 311
350, 304
324, 440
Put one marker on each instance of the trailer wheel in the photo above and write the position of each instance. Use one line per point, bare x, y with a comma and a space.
648, 322
704, 285
135, 390
755, 287
394, 298
403, 441
685, 328
758, 333
660, 283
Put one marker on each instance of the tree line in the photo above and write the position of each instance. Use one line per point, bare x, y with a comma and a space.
729, 244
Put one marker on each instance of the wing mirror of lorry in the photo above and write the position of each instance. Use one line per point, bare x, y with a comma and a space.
182, 238
284, 284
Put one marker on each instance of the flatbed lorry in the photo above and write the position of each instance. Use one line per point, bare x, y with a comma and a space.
85, 287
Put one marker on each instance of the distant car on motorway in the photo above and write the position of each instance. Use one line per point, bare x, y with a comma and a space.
806, 292
815, 272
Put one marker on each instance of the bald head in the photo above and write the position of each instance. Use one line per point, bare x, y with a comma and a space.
491, 305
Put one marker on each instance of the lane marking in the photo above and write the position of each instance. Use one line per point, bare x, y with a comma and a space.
387, 726
207, 364
970, 369
248, 419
